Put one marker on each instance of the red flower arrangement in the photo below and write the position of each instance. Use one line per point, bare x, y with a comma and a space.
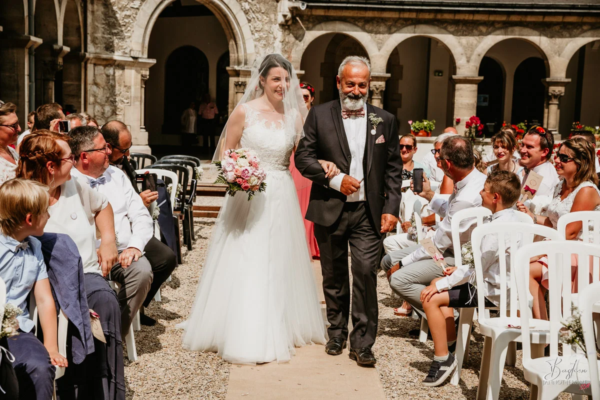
474, 127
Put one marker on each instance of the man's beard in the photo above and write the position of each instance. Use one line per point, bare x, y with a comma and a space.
351, 101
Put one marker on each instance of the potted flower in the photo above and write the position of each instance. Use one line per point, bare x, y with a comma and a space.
422, 128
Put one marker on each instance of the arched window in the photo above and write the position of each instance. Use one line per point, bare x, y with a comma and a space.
529, 92
490, 95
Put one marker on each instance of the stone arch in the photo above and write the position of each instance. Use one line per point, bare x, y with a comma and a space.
69, 83
560, 63
430, 31
43, 9
228, 12
73, 12
324, 28
535, 38
13, 17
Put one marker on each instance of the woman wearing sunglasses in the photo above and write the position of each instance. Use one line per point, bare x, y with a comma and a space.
408, 148
9, 132
576, 191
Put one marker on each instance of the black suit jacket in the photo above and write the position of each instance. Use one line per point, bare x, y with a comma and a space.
325, 139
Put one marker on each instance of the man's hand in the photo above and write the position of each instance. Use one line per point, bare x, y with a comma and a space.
427, 193
405, 226
388, 223
428, 293
107, 256
449, 271
148, 197
391, 271
128, 256
349, 185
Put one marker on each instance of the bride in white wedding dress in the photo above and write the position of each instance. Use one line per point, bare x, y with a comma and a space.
257, 298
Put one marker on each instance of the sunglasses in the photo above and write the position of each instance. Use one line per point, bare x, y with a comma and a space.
306, 97
434, 151
564, 158
408, 147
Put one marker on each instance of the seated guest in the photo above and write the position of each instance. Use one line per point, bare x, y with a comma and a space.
408, 148
77, 120
576, 191
455, 289
412, 269
490, 157
504, 145
161, 257
590, 137
9, 132
23, 214
47, 116
30, 121
536, 151
133, 223
436, 175
77, 211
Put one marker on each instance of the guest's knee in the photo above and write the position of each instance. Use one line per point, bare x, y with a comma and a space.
400, 281
386, 262
40, 366
389, 244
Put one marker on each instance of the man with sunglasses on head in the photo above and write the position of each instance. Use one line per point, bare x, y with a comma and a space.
161, 257
536, 151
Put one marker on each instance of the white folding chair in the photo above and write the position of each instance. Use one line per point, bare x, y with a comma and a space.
499, 338
63, 326
536, 370
135, 325
590, 297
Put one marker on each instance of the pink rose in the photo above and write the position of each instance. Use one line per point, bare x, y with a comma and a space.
245, 173
239, 181
235, 156
237, 171
253, 164
245, 186
410, 122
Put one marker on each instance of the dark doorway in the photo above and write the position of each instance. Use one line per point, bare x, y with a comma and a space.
529, 92
339, 48
186, 80
490, 95
223, 84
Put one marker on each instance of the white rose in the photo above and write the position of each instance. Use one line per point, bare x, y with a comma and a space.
253, 181
242, 162
230, 176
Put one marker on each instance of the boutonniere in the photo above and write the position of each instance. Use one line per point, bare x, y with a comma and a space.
375, 120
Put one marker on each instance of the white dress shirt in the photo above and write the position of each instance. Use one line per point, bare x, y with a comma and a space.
540, 202
597, 165
490, 261
356, 132
133, 223
466, 195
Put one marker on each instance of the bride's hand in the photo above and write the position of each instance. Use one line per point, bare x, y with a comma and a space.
330, 168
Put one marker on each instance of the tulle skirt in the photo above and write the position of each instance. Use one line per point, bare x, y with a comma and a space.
257, 298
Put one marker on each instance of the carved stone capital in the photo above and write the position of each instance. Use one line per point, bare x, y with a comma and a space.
240, 86
377, 88
555, 93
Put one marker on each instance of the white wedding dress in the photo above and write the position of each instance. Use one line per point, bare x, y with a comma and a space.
257, 298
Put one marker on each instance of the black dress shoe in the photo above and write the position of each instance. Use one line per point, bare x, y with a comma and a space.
335, 346
363, 357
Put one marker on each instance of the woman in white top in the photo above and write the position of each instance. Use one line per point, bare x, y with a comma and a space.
188, 119
576, 191
78, 211
504, 144
9, 132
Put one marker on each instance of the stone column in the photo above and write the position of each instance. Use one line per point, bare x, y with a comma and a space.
556, 89
14, 70
378, 88
240, 88
465, 99
116, 87
145, 74
238, 80
49, 60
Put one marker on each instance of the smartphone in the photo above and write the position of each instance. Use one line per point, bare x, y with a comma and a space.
64, 126
146, 182
418, 180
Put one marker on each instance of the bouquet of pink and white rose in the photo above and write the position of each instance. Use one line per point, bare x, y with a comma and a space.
240, 171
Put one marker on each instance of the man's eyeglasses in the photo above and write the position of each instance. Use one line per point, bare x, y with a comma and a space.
564, 158
103, 149
408, 147
14, 126
435, 151
118, 148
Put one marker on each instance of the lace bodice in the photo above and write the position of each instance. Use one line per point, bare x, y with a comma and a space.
269, 138
558, 207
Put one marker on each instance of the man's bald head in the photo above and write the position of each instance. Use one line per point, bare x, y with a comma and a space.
117, 135
451, 129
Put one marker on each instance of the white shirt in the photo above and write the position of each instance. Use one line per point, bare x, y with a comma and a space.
133, 223
73, 214
356, 132
489, 261
437, 175
540, 202
597, 165
22, 136
466, 195
188, 120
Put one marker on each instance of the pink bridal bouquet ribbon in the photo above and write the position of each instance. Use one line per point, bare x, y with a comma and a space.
240, 171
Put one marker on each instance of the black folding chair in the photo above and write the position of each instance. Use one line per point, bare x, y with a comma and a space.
185, 201
182, 157
190, 164
142, 160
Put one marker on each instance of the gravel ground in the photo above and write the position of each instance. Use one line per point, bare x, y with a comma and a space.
165, 371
